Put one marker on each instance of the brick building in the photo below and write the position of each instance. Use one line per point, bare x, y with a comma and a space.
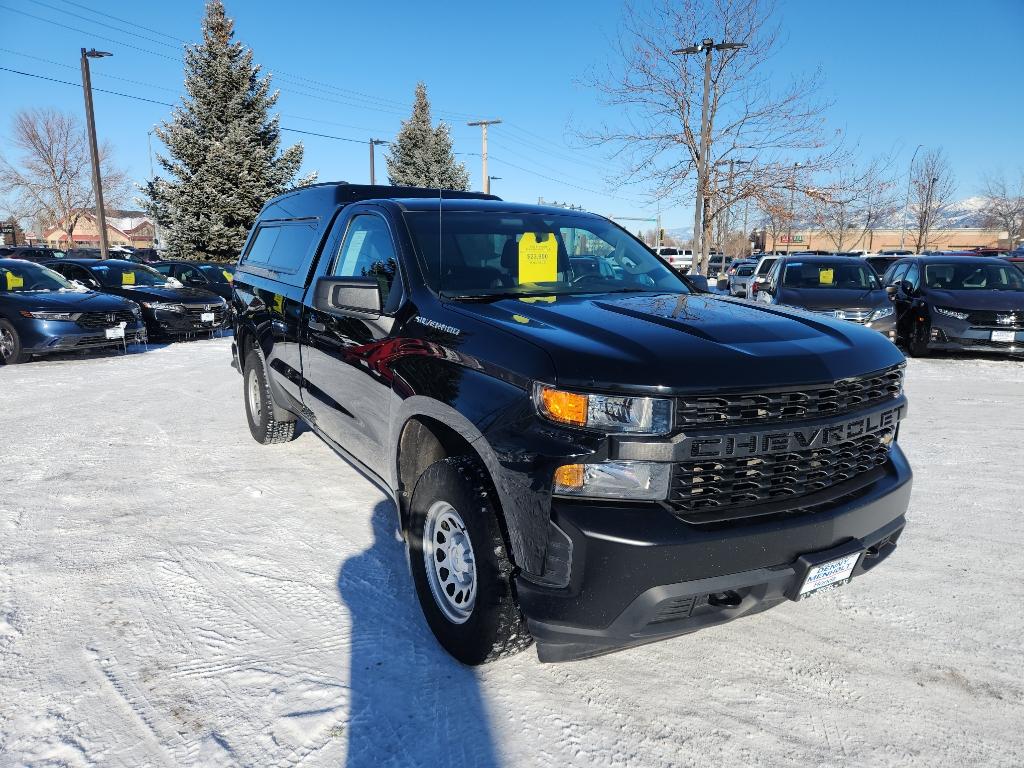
134, 228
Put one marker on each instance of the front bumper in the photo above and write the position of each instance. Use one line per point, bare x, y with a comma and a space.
168, 323
950, 334
41, 337
639, 575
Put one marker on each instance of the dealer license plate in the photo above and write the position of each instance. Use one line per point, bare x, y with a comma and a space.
829, 575
115, 333
1003, 335
206, 317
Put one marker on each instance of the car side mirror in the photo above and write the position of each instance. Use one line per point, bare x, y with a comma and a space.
348, 295
698, 281
907, 287
891, 291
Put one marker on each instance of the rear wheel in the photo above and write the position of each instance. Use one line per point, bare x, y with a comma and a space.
460, 566
10, 345
259, 404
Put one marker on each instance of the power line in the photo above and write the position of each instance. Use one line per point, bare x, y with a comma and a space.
560, 181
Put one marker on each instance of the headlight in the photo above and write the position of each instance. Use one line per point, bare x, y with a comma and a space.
647, 415
878, 314
951, 313
643, 480
165, 306
67, 316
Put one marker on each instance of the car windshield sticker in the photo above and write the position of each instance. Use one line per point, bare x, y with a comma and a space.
13, 281
227, 275
127, 278
826, 276
538, 258
535, 299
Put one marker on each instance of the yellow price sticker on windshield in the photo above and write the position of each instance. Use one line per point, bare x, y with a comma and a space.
826, 276
13, 281
538, 258
127, 278
227, 275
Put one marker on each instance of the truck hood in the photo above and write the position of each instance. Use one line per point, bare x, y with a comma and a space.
975, 300
686, 343
833, 298
69, 301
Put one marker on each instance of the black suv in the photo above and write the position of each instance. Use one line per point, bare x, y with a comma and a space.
957, 302
589, 455
838, 286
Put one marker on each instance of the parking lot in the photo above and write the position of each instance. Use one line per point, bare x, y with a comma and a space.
172, 593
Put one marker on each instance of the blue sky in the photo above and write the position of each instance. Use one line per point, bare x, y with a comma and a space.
901, 73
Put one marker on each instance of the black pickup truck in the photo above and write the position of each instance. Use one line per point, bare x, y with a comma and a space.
584, 448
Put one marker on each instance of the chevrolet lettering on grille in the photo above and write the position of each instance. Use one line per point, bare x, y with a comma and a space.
784, 441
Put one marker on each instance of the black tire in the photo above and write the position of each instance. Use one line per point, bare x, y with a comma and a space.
259, 404
495, 627
10, 345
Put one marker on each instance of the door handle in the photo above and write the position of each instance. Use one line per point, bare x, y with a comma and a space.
316, 325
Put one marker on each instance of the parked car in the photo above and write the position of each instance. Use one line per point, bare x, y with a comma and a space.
37, 254
207, 275
764, 266
955, 302
741, 273
835, 286
145, 256
42, 313
168, 308
573, 457
880, 263
678, 258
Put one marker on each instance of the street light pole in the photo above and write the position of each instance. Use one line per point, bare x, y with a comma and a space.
97, 183
906, 203
483, 151
792, 198
374, 143
705, 46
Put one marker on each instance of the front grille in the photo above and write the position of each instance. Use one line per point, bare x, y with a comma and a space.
93, 320
765, 407
853, 315
714, 489
990, 344
194, 313
988, 318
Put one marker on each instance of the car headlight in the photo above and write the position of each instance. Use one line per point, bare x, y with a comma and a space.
951, 313
67, 316
642, 480
878, 314
646, 415
164, 305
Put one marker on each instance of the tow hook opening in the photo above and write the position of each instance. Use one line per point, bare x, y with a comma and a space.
728, 599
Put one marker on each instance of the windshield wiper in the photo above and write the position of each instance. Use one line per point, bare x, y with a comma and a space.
491, 296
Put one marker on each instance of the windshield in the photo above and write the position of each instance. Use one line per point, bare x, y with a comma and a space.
28, 277
125, 274
829, 274
964, 276
218, 273
479, 254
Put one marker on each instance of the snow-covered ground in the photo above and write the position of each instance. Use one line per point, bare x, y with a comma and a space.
172, 593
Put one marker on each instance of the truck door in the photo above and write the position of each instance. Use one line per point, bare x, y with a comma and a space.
345, 385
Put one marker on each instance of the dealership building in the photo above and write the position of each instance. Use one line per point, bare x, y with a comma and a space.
952, 239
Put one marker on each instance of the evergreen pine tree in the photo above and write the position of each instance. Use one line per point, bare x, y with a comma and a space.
224, 148
421, 155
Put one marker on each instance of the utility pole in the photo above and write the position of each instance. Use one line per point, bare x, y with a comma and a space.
705, 46
374, 143
97, 183
906, 204
792, 199
483, 152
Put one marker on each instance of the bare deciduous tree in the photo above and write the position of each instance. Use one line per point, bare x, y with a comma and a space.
855, 203
51, 182
931, 191
1004, 206
660, 95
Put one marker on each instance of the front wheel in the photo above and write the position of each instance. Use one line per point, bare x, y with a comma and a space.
10, 345
917, 341
460, 566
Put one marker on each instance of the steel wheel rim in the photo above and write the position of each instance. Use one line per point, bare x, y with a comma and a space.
255, 401
6, 344
449, 562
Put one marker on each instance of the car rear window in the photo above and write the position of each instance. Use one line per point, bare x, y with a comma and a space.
283, 248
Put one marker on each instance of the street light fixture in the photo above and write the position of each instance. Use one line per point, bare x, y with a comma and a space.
97, 182
705, 46
373, 174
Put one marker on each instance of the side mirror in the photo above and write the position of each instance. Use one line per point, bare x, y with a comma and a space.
907, 287
348, 295
891, 291
699, 282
